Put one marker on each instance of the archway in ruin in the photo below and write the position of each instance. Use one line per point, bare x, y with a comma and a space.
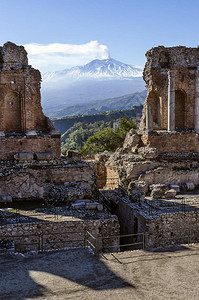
180, 104
155, 103
12, 112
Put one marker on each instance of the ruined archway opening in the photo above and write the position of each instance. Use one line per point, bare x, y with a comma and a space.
154, 101
12, 121
180, 111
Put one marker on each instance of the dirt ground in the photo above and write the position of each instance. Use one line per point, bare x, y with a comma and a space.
171, 273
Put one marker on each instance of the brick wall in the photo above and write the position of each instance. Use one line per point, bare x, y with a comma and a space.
12, 145
172, 142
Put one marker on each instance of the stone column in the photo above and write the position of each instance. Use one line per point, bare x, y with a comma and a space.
171, 100
149, 118
196, 123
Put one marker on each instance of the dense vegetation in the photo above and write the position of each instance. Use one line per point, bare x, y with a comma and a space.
96, 137
67, 122
76, 136
109, 139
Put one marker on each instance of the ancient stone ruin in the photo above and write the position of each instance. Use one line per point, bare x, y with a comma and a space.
170, 119
43, 196
23, 126
159, 163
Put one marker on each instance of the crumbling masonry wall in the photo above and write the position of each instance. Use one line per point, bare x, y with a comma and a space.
56, 235
172, 103
21, 115
37, 179
173, 229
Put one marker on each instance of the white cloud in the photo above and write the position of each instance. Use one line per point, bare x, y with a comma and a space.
54, 57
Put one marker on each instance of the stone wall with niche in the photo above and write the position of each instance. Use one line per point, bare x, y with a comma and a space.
21, 113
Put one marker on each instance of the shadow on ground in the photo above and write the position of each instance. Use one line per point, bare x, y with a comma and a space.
36, 275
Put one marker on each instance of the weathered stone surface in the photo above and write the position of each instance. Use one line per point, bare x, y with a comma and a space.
75, 154
22, 122
189, 186
158, 190
132, 139
91, 206
44, 155
138, 185
100, 207
57, 235
171, 76
78, 205
47, 179
23, 156
170, 193
148, 152
175, 187
31, 134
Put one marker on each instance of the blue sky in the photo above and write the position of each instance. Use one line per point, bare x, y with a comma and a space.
124, 28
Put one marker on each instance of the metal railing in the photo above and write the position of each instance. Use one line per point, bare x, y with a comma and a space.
99, 244
139, 242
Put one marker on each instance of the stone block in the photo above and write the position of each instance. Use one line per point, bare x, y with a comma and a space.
175, 187
157, 190
23, 156
2, 135
132, 139
78, 205
30, 134
100, 207
73, 154
138, 185
91, 206
44, 155
55, 133
83, 200
189, 186
170, 193
157, 193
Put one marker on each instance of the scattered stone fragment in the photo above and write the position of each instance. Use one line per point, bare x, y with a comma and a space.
158, 190
175, 187
91, 206
148, 152
189, 186
78, 205
132, 139
170, 193
138, 185
23, 156
44, 155
100, 207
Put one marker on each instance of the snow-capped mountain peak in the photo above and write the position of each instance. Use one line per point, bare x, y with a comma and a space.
96, 69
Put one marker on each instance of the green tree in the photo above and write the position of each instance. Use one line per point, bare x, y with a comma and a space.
108, 140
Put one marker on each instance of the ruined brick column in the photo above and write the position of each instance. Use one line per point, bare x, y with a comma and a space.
149, 120
171, 101
196, 123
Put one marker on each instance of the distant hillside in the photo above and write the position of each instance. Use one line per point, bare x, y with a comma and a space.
95, 107
65, 123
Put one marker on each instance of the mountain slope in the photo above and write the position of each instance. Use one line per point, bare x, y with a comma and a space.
65, 123
94, 107
97, 80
